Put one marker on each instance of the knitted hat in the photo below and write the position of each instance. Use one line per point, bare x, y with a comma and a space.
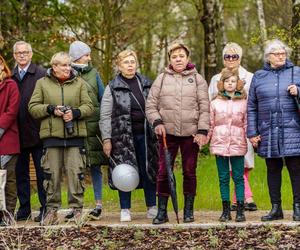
78, 49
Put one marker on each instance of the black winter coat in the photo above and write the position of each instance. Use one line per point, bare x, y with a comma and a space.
122, 135
28, 127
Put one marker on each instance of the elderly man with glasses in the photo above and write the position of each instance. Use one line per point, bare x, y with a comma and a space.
232, 56
26, 74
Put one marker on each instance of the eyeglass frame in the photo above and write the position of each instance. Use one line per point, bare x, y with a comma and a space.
24, 53
233, 57
284, 54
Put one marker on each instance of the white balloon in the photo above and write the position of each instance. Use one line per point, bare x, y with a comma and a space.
125, 177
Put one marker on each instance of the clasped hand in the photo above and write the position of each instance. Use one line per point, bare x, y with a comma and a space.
68, 116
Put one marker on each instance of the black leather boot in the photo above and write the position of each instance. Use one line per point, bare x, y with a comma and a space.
188, 212
240, 216
162, 216
225, 216
274, 214
296, 215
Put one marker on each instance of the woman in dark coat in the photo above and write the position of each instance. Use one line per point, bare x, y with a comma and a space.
126, 134
274, 123
9, 137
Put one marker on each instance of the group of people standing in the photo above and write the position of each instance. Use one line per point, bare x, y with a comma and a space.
75, 116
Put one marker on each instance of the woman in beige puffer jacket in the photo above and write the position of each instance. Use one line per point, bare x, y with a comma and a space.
178, 109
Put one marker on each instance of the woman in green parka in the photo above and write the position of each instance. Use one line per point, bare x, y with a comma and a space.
80, 54
61, 101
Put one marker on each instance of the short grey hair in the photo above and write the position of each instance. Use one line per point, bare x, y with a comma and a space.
273, 45
234, 47
60, 58
22, 43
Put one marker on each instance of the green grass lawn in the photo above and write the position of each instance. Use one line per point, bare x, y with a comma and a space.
208, 194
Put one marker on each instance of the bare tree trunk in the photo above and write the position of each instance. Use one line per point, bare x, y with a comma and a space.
224, 38
261, 20
296, 31
210, 34
246, 30
111, 16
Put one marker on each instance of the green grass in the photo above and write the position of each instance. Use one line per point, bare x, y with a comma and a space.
208, 194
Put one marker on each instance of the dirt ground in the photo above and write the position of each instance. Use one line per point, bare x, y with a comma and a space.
202, 218
108, 233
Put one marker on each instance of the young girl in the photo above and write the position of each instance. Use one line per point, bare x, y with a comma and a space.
228, 123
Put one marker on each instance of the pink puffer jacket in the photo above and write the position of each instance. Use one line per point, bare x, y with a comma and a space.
228, 122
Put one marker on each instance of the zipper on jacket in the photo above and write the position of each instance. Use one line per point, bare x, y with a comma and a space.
145, 141
278, 109
63, 103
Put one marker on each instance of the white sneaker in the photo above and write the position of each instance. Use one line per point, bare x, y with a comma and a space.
152, 212
125, 215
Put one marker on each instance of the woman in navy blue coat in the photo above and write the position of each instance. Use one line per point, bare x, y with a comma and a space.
274, 123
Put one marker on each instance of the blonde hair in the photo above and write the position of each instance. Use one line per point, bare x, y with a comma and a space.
176, 46
60, 58
125, 53
234, 47
225, 74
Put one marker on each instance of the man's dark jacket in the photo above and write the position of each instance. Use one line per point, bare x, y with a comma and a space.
28, 127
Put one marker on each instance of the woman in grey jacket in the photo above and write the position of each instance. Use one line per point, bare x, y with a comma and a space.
126, 134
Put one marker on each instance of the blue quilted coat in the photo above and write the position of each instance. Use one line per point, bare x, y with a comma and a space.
272, 111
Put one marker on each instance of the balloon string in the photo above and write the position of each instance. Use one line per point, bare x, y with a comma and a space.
110, 157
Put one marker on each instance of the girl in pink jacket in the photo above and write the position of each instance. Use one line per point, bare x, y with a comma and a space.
227, 136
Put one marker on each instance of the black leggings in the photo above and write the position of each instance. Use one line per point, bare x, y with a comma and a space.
274, 168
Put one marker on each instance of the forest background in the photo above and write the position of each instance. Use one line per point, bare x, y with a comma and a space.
149, 27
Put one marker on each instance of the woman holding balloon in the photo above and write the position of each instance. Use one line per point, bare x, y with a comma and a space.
126, 134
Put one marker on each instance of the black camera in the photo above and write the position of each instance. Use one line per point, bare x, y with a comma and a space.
68, 125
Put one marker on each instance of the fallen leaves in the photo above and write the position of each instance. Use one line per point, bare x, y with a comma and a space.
100, 237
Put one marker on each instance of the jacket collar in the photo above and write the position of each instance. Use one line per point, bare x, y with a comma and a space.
238, 95
288, 64
50, 75
186, 72
119, 83
31, 70
82, 70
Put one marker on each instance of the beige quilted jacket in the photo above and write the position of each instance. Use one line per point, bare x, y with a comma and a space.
180, 100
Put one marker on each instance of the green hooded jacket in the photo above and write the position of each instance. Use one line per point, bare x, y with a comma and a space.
95, 154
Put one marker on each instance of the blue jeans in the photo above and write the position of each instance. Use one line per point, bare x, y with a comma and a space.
148, 186
23, 178
97, 181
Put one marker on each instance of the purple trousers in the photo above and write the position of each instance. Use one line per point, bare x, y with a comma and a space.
189, 153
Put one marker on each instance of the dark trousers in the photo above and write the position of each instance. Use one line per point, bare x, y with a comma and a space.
10, 187
189, 153
274, 168
23, 178
148, 186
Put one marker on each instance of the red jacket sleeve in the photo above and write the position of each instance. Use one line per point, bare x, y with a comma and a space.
10, 115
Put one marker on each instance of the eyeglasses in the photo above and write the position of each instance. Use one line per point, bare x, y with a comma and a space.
283, 54
127, 62
233, 57
24, 53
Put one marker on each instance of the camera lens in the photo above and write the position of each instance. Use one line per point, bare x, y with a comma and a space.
69, 127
